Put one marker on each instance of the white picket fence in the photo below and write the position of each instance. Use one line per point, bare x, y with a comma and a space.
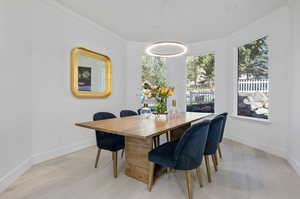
251, 86
200, 96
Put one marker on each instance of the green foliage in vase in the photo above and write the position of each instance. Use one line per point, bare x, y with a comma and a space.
161, 107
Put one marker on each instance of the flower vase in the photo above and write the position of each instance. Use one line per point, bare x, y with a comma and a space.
161, 109
145, 111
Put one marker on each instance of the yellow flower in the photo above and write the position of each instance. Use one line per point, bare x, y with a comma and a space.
154, 90
164, 90
170, 93
147, 92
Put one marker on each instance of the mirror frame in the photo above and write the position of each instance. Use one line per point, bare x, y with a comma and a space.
74, 73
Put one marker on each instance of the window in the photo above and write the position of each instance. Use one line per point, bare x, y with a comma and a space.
253, 79
153, 72
200, 95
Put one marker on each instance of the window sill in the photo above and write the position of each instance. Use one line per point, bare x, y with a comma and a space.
268, 121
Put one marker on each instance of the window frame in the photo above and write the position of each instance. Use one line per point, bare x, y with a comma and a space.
235, 78
202, 52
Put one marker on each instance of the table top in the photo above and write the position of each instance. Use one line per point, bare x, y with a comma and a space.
140, 127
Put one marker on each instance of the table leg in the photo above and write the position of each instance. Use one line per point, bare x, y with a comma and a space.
136, 154
176, 134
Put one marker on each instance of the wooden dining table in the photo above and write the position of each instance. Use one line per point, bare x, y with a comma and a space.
139, 133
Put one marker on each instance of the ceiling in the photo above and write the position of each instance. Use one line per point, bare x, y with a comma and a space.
183, 20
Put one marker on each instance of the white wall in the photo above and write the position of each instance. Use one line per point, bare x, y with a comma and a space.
55, 32
294, 137
176, 73
15, 86
271, 136
135, 51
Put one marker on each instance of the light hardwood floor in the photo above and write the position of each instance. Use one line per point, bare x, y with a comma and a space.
244, 173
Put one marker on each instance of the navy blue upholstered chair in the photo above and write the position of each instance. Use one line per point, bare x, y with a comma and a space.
213, 139
126, 113
185, 154
222, 133
108, 141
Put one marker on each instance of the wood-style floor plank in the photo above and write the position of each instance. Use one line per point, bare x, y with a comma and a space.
244, 173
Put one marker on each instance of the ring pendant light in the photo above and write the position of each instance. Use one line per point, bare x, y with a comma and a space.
158, 49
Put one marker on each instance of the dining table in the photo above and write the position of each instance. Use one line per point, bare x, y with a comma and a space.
139, 132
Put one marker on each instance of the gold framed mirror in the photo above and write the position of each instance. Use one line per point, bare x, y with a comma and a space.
91, 74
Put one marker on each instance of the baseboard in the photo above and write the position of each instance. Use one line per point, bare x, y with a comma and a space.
13, 175
41, 157
269, 149
295, 164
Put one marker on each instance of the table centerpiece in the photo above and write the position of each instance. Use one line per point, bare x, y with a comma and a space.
160, 94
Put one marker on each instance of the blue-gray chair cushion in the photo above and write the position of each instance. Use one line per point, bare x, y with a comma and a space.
110, 142
164, 154
106, 140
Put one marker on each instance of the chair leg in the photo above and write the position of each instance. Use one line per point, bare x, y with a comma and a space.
189, 184
168, 136
122, 154
155, 142
115, 163
169, 170
151, 175
214, 162
97, 158
208, 168
199, 175
220, 152
216, 157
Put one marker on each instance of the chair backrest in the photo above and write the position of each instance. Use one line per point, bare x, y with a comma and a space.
139, 111
103, 116
214, 134
100, 134
126, 113
189, 151
223, 126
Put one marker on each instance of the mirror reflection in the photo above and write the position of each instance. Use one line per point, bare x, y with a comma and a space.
91, 74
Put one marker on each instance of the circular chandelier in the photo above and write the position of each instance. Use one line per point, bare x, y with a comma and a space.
166, 49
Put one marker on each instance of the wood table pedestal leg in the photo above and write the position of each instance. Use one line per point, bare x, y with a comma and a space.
136, 154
